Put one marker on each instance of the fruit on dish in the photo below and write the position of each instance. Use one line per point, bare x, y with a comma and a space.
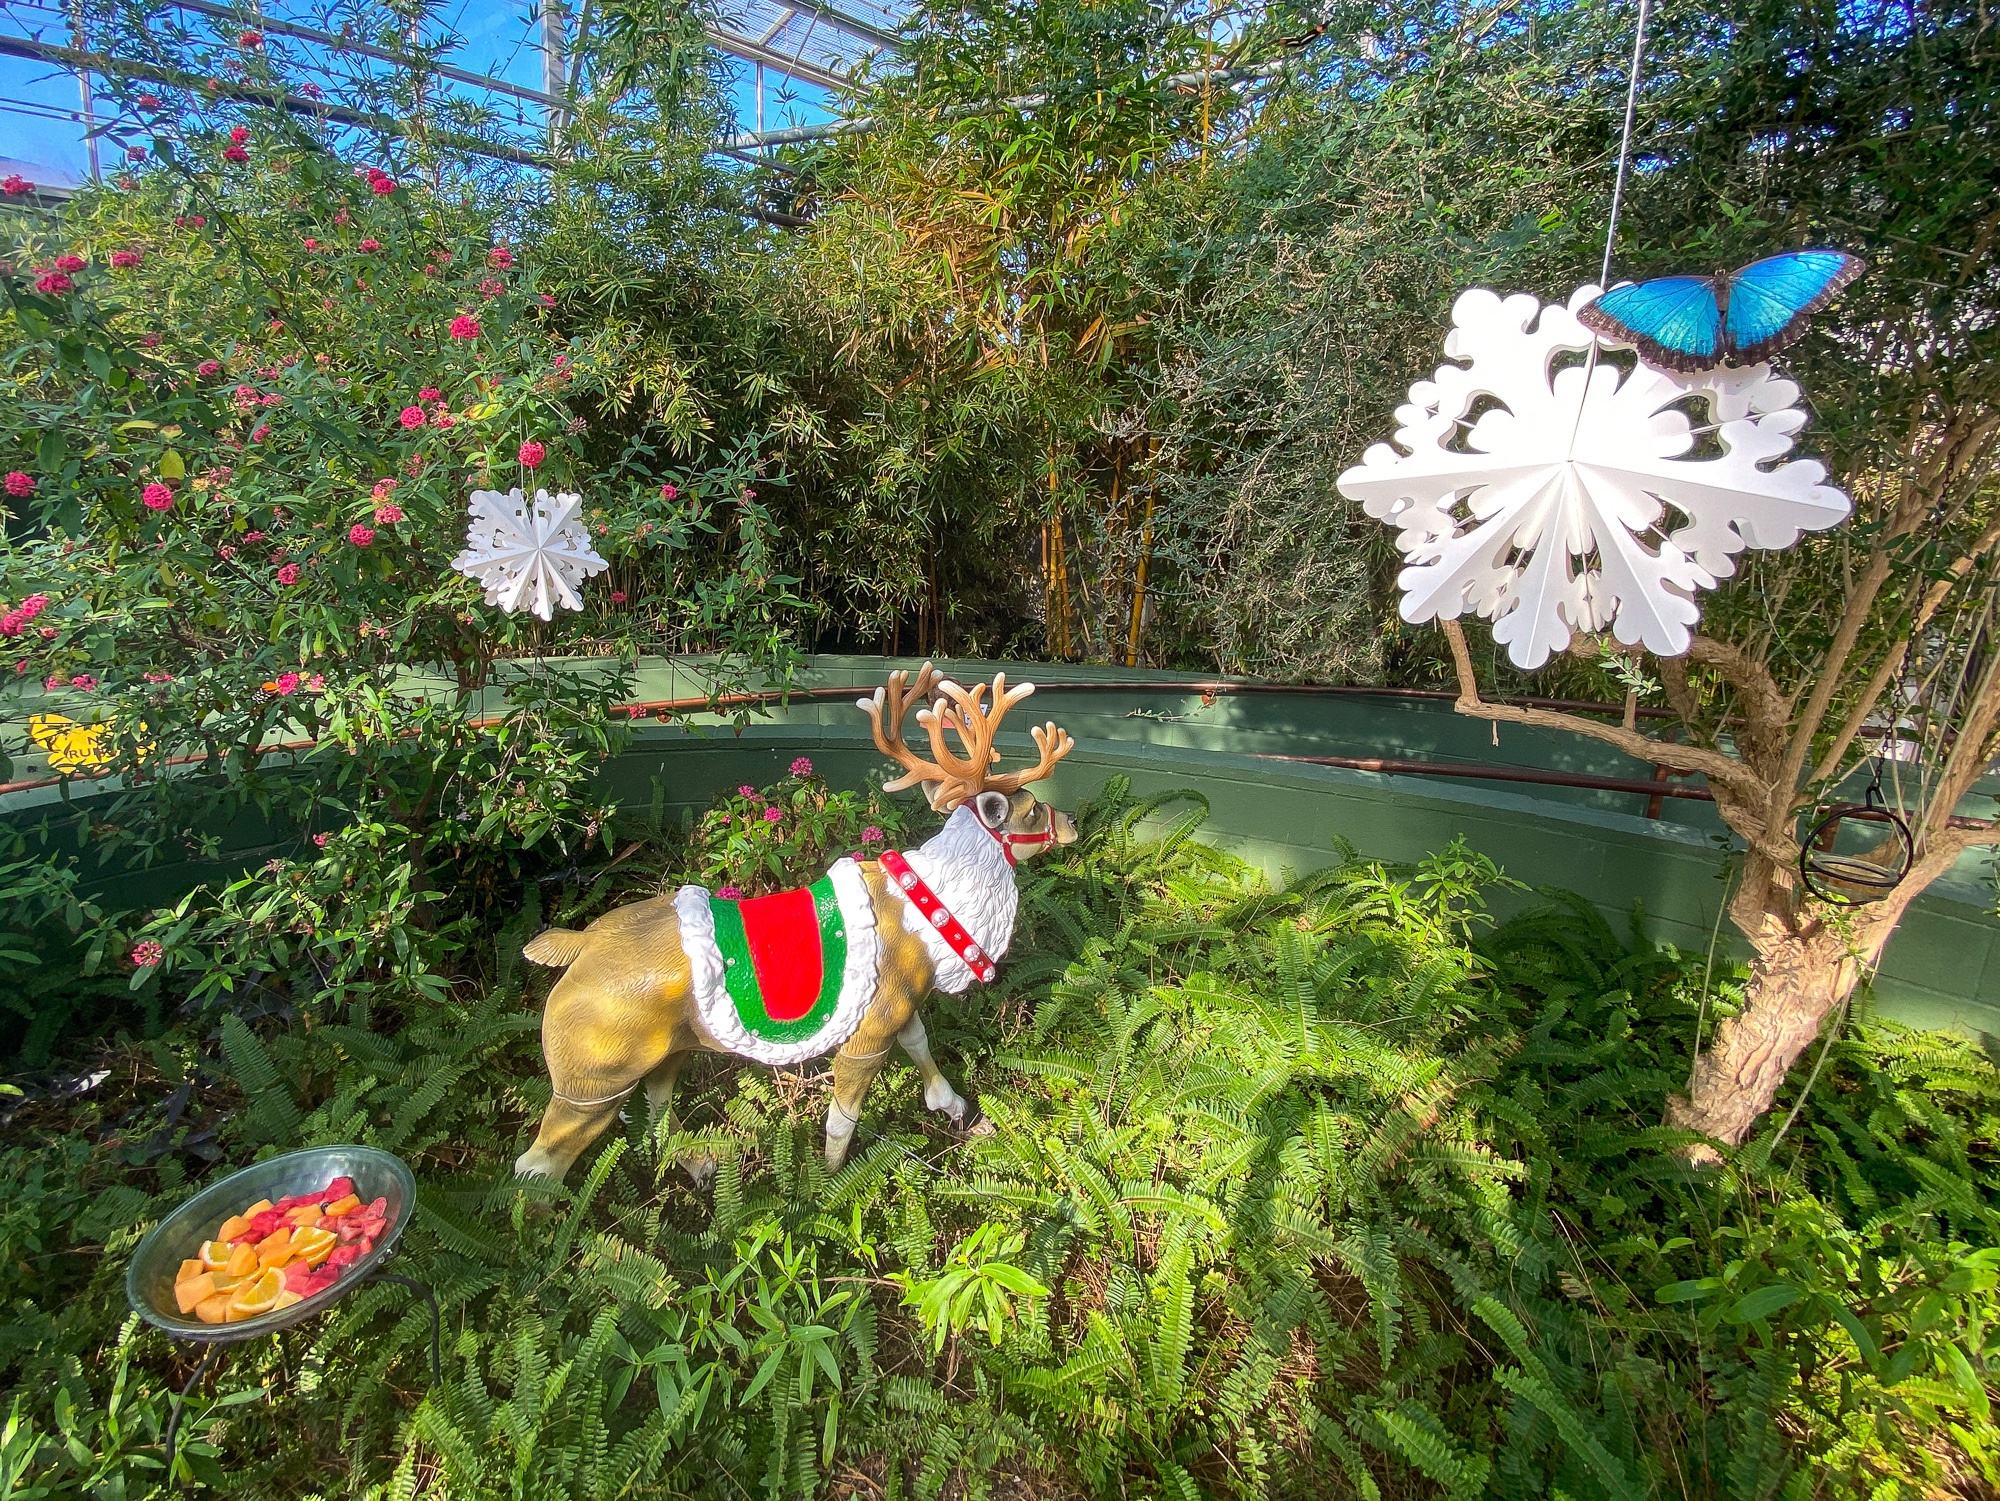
274, 1255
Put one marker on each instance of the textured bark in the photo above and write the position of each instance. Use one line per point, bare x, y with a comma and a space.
1795, 983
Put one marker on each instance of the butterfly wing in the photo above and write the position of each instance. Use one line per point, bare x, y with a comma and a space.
1770, 300
1674, 321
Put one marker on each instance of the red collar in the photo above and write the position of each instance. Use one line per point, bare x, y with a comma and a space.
1008, 840
913, 890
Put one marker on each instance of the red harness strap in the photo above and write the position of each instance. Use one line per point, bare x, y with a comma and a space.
938, 915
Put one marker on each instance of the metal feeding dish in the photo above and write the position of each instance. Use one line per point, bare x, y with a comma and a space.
149, 1280
1834, 856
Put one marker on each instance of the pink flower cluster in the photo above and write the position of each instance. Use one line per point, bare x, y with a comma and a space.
285, 686
802, 767
730, 893
369, 247
380, 183
19, 484
772, 815
146, 953
289, 574
125, 260
532, 454
618, 596
53, 283
208, 367
69, 263
388, 514
16, 185
158, 677
16, 620
499, 257
872, 835
465, 326
668, 492
157, 497
412, 417
361, 536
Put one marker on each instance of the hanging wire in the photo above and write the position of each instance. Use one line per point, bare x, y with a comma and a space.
1625, 139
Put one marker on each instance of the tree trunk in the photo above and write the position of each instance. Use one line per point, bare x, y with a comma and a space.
1796, 981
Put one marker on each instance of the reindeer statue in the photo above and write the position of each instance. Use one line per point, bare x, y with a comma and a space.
785, 978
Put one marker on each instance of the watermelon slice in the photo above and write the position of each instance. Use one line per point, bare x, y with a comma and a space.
344, 1256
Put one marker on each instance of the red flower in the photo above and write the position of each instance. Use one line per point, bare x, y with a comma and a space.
380, 183
149, 101
253, 536
499, 257
429, 393
465, 326
359, 535
19, 483
532, 454
124, 260
197, 220
157, 497
310, 244
69, 263
491, 287
146, 953
668, 492
312, 91
286, 685
412, 417
289, 574
548, 301
16, 185
84, 681
238, 134
369, 247
135, 153
388, 515
260, 434
235, 154
249, 39
618, 596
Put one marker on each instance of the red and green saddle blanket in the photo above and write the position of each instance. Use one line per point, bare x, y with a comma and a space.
786, 977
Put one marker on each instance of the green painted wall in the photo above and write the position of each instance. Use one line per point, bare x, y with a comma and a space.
1942, 968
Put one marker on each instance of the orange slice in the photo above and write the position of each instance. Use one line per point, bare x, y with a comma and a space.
341, 1206
194, 1291
286, 1298
224, 1282
215, 1254
189, 1270
213, 1310
314, 1246
256, 1297
307, 1215
256, 1209
242, 1261
232, 1227
277, 1243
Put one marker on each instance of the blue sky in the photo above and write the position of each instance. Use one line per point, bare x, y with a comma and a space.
498, 39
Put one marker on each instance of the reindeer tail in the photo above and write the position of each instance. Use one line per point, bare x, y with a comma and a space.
555, 947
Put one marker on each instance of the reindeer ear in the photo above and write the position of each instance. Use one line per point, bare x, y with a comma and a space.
992, 808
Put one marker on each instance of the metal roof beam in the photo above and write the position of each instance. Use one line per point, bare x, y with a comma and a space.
865, 124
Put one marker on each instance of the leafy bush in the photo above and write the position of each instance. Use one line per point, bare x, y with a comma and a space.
1335, 1188
757, 842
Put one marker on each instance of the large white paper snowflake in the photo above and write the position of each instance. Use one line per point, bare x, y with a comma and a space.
1555, 495
534, 556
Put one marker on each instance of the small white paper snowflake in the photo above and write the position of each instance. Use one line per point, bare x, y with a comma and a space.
535, 556
1547, 511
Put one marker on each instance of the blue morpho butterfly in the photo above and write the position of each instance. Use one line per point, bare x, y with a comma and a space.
1698, 322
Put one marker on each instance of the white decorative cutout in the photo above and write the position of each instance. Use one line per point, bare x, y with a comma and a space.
534, 557
1566, 479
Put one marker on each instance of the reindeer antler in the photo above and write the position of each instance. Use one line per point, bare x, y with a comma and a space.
963, 711
894, 701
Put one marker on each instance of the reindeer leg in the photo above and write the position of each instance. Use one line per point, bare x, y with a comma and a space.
851, 1077
660, 1085
938, 1093
567, 1128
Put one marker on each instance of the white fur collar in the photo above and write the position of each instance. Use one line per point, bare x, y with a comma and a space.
965, 865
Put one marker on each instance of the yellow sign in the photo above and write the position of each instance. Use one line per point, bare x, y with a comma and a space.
72, 746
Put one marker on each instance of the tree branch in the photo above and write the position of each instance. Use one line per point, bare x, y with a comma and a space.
1723, 770
1890, 665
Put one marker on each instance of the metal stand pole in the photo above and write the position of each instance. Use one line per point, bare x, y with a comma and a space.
429, 1297
180, 1403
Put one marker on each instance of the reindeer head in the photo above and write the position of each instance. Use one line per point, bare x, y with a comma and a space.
1023, 824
